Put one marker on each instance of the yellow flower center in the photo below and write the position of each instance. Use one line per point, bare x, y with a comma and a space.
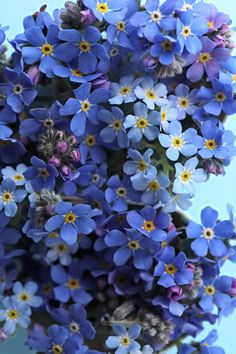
125, 341
70, 218
125, 90
208, 234
121, 192
154, 186
220, 97
234, 78
57, 349
24, 297
156, 16
177, 142
61, 247
116, 125
77, 73
210, 290
47, 49
43, 172
120, 26
74, 327
186, 31
183, 102
7, 197
142, 165
85, 106
151, 95
210, 24
185, 176
163, 116
84, 46
19, 177
167, 45
12, 314
148, 225
142, 123
163, 244
170, 269
133, 245
73, 284
102, 7
90, 140
53, 235
210, 144
204, 57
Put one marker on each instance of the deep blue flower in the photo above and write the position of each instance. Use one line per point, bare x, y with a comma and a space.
40, 174
10, 196
84, 106
150, 223
72, 220
71, 284
82, 46
172, 269
178, 142
125, 340
110, 11
208, 235
165, 48
13, 314
41, 49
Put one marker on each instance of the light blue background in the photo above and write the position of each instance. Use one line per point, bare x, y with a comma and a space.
216, 192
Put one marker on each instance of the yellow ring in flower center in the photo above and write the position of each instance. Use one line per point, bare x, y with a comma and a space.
183, 102
154, 186
84, 46
204, 57
57, 349
120, 26
90, 140
167, 45
186, 31
142, 122
121, 192
170, 269
220, 97
148, 225
19, 177
73, 284
185, 176
7, 197
70, 218
133, 245
125, 341
177, 142
210, 144
85, 106
102, 7
210, 290
142, 165
208, 234
12, 314
151, 95
125, 90
116, 125
47, 49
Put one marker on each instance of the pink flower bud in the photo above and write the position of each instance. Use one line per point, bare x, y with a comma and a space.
232, 291
66, 170
75, 155
62, 146
175, 293
55, 161
101, 82
171, 227
87, 17
34, 74
72, 139
191, 267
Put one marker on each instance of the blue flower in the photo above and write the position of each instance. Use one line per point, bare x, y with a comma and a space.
165, 48
140, 165
9, 196
41, 174
82, 46
211, 142
2, 33
72, 220
41, 49
168, 113
124, 90
155, 18
110, 11
186, 175
71, 284
178, 142
114, 131
215, 293
172, 270
185, 100
208, 235
189, 29
132, 245
150, 223
17, 174
26, 294
20, 90
84, 106
143, 123
151, 93
125, 340
219, 98
59, 251
14, 313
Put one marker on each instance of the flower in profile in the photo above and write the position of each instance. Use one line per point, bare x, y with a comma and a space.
84, 106
149, 223
109, 10
142, 123
151, 93
41, 174
26, 294
125, 341
10, 196
14, 313
178, 142
209, 235
72, 220
186, 175
172, 269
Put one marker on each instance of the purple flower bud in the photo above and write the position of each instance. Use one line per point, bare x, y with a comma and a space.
232, 291
3, 336
34, 74
62, 146
171, 227
191, 267
175, 293
66, 170
214, 167
149, 62
72, 139
50, 209
75, 155
87, 17
101, 82
55, 161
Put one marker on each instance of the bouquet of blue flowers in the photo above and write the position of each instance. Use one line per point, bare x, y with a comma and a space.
110, 112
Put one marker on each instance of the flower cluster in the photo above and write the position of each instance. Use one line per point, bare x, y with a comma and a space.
110, 113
